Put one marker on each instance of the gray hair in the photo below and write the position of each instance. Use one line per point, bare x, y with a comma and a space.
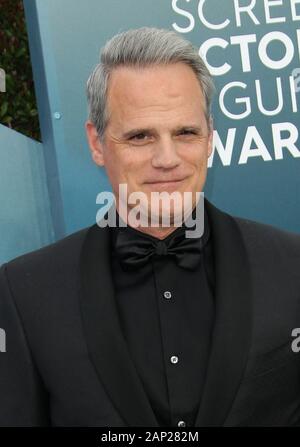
142, 47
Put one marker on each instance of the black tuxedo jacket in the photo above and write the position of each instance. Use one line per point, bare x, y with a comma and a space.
67, 363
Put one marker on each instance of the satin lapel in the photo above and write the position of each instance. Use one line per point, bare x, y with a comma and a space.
232, 329
106, 344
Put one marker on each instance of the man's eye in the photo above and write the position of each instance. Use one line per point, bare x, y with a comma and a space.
139, 136
187, 132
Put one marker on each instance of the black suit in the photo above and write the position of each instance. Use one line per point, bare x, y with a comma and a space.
67, 363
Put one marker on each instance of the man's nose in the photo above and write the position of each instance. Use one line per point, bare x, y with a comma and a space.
165, 155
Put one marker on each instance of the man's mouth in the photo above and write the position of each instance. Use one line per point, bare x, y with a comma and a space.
165, 182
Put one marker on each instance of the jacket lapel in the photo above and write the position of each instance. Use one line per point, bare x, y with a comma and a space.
106, 344
232, 329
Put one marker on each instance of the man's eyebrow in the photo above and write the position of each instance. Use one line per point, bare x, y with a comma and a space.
137, 131
196, 129
151, 130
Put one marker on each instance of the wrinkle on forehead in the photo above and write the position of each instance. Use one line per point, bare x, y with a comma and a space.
154, 92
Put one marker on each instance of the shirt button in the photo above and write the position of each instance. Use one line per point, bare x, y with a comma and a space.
181, 424
174, 359
167, 294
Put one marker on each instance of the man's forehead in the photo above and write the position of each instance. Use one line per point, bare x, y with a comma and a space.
160, 75
161, 86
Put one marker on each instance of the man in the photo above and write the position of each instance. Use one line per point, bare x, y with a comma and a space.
140, 325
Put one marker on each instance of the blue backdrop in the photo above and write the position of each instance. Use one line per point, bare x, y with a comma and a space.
49, 190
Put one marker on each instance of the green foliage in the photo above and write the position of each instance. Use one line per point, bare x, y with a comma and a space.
18, 109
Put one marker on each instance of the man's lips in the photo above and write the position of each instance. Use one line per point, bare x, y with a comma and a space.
162, 182
170, 185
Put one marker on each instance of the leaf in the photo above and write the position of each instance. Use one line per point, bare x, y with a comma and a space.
3, 109
7, 120
21, 51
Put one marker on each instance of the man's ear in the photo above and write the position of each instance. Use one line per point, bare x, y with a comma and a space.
96, 147
210, 137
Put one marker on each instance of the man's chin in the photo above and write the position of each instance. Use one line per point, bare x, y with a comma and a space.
156, 210
165, 217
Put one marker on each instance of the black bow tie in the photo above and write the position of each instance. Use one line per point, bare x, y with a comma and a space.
134, 248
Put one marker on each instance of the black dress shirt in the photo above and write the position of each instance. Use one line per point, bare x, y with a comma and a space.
166, 314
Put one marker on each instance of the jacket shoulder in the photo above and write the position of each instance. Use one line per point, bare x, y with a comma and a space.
53, 257
264, 236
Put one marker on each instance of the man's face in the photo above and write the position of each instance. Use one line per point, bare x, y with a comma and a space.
157, 138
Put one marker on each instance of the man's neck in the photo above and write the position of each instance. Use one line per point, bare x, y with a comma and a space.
158, 232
